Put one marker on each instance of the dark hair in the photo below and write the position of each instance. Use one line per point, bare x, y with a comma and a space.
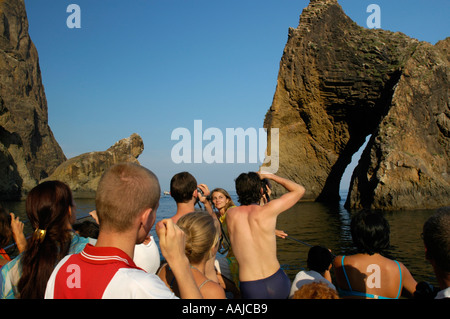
319, 259
370, 232
47, 207
248, 188
436, 237
182, 186
5, 227
86, 229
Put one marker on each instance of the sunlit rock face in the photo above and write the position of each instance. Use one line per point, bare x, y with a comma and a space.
28, 149
339, 84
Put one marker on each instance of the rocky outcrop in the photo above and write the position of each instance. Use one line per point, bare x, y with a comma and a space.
28, 149
29, 152
406, 163
83, 172
340, 83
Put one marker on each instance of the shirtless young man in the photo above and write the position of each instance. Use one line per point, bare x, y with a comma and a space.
252, 234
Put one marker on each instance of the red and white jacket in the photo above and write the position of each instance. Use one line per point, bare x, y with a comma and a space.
103, 273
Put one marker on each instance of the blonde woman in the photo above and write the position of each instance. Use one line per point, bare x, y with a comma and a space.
227, 266
202, 241
222, 202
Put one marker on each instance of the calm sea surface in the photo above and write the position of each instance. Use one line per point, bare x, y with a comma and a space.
315, 224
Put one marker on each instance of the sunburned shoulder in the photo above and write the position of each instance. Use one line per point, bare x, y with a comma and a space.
245, 210
361, 260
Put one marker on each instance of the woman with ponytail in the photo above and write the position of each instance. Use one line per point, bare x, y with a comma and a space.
51, 212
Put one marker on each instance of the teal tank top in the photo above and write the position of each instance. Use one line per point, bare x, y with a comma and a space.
351, 292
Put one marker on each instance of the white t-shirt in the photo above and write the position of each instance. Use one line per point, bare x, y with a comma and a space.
445, 293
147, 257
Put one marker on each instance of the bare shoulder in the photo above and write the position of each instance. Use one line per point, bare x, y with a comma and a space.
212, 290
337, 261
233, 210
405, 271
239, 210
165, 274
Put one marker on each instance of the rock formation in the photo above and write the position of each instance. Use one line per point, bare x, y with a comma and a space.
339, 84
83, 172
28, 149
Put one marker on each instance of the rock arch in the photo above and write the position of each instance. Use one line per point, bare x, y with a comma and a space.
340, 83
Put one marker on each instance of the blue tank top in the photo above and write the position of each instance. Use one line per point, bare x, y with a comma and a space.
351, 292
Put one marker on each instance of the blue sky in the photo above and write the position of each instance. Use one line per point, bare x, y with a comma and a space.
151, 66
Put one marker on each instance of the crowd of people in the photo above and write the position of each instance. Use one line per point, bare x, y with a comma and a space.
116, 257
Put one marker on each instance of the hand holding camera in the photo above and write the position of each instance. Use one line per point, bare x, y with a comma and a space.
203, 192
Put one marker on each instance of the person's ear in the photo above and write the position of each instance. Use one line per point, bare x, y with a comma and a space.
147, 219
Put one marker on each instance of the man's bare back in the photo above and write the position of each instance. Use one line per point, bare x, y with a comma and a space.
255, 241
252, 232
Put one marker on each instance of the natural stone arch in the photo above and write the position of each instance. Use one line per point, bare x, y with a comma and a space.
340, 83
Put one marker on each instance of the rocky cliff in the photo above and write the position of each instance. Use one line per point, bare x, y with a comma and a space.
83, 172
339, 84
28, 149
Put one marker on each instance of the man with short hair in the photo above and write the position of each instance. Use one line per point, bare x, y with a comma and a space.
252, 233
126, 201
184, 190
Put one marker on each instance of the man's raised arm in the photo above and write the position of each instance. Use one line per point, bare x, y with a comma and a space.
295, 193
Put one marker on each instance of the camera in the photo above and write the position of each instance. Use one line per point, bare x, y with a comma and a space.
265, 182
